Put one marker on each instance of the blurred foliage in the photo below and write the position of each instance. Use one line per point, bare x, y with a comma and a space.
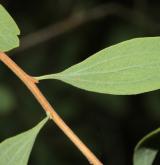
110, 125
7, 98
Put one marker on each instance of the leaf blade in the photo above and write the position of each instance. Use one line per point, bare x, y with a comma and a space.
9, 31
130, 67
147, 148
16, 150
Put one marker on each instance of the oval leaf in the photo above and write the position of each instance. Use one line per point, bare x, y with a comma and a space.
130, 67
8, 31
147, 149
16, 150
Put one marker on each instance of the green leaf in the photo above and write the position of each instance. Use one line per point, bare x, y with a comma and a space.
8, 31
16, 150
147, 149
130, 67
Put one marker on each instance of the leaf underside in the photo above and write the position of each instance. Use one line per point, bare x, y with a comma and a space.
9, 31
130, 67
147, 149
16, 150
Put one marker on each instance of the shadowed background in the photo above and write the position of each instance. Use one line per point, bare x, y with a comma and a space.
56, 34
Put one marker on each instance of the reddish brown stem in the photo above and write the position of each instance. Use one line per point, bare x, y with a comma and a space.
31, 84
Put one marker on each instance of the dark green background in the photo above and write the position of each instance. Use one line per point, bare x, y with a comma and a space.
110, 125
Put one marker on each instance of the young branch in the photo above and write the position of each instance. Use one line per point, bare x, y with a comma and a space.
31, 84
